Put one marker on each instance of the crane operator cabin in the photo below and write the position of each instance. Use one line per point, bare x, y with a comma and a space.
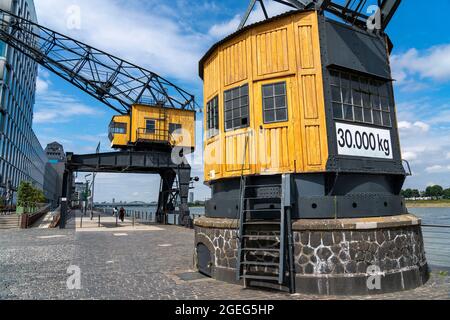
310, 96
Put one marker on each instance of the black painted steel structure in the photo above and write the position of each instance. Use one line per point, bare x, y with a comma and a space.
175, 178
350, 11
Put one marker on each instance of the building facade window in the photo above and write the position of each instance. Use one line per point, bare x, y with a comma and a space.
361, 99
237, 108
274, 102
150, 126
212, 117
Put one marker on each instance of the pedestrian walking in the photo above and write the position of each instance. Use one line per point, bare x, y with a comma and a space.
115, 212
122, 214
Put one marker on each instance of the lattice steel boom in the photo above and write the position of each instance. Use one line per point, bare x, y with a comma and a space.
114, 81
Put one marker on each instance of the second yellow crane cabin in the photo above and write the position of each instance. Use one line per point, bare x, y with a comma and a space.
153, 125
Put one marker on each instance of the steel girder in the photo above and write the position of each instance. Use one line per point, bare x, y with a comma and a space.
175, 178
351, 11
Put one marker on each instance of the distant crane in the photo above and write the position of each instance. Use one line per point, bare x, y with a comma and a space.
153, 113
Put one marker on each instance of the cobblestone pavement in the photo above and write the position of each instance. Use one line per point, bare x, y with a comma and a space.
129, 265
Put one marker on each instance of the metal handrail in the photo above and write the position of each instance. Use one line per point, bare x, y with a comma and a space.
435, 226
156, 135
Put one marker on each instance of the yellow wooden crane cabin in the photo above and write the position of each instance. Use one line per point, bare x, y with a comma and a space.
155, 125
308, 96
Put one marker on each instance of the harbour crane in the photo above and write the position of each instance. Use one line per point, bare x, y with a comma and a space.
153, 114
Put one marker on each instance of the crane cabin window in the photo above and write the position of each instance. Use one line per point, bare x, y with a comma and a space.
275, 102
173, 127
212, 117
237, 108
118, 128
360, 99
150, 126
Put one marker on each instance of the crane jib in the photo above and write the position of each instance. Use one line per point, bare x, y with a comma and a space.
113, 81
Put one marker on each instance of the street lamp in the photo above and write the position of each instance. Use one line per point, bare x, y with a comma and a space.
86, 194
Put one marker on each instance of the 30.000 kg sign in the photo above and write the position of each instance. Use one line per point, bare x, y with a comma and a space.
363, 141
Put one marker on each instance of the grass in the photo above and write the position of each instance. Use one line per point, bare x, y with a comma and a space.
429, 203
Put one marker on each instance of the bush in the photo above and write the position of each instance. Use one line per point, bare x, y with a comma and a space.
28, 197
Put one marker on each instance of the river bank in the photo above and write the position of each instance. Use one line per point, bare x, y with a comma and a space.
428, 204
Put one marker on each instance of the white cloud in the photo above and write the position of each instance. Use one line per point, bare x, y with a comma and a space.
404, 125
41, 85
420, 125
55, 107
437, 169
224, 29
409, 155
433, 63
42, 82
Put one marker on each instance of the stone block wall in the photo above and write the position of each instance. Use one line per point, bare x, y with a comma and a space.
333, 257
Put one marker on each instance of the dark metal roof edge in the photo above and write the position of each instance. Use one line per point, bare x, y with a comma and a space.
243, 30
362, 73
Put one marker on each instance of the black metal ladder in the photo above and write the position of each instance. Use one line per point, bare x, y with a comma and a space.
265, 246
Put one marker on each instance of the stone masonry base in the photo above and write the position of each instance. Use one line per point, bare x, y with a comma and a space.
332, 257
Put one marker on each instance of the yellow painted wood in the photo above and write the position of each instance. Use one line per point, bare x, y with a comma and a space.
286, 49
121, 140
275, 141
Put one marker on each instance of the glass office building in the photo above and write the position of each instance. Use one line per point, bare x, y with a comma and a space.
21, 154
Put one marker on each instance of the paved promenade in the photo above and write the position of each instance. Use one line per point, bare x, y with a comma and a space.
123, 263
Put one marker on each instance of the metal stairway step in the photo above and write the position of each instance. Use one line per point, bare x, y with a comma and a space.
258, 237
261, 249
262, 223
260, 264
258, 277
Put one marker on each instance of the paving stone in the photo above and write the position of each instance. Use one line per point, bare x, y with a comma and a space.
135, 267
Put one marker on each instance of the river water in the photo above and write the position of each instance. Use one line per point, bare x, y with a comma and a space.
437, 240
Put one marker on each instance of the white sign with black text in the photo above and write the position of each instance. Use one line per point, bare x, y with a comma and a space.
362, 141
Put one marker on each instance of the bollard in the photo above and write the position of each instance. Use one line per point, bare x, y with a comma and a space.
99, 221
81, 223
117, 220
133, 219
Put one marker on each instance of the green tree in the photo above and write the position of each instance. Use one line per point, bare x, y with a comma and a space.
446, 193
415, 193
408, 193
25, 194
434, 191
28, 197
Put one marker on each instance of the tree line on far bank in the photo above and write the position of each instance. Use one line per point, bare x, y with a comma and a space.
434, 192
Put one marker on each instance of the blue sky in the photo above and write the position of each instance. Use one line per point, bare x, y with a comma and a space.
169, 37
